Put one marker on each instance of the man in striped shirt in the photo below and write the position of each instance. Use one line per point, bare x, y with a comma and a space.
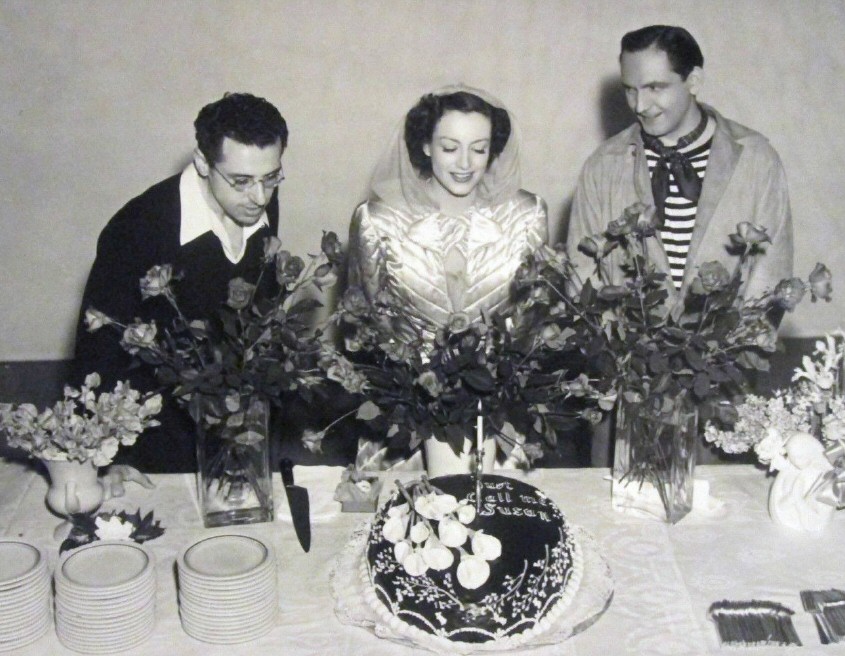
704, 174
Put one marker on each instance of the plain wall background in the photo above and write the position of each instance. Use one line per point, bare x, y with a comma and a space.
99, 97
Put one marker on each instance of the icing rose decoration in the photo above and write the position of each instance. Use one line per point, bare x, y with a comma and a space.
473, 571
437, 556
420, 532
435, 506
113, 529
486, 546
414, 563
452, 533
394, 527
466, 512
401, 550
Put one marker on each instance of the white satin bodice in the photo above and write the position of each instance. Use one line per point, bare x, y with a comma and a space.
406, 253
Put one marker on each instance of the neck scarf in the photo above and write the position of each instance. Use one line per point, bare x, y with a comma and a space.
670, 158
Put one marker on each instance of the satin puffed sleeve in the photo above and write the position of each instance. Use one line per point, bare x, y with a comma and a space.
366, 253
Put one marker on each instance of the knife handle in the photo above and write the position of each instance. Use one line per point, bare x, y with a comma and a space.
286, 468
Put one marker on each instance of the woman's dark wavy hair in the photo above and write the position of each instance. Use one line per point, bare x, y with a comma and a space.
243, 117
424, 116
679, 45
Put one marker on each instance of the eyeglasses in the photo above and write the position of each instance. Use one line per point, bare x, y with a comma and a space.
242, 184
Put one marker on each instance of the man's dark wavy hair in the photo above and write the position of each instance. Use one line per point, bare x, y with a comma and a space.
679, 45
242, 117
424, 116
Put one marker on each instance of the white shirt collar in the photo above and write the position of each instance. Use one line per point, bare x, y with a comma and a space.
198, 218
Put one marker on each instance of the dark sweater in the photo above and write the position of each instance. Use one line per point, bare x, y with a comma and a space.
145, 232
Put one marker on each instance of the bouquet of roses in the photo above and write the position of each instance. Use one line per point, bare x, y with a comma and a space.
259, 345
635, 342
418, 388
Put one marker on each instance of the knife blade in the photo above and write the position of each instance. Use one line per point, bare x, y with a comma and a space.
298, 503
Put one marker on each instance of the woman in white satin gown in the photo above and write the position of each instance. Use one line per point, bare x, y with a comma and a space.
446, 225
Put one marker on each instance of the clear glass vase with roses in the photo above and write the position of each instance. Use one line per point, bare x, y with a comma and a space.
260, 349
667, 363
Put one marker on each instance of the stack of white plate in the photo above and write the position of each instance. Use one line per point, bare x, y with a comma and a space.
24, 594
228, 590
105, 596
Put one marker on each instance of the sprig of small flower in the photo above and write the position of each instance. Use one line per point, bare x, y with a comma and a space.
431, 527
813, 405
83, 425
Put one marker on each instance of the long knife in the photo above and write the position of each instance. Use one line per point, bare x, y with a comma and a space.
298, 503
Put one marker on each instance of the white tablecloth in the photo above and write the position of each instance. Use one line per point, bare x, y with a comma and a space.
665, 576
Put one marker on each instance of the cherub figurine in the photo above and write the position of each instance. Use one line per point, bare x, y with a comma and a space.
792, 498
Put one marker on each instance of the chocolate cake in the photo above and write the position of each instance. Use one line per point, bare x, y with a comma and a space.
437, 569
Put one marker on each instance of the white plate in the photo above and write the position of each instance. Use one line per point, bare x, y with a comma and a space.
106, 619
122, 642
231, 636
24, 614
106, 597
105, 566
17, 560
81, 632
38, 590
241, 612
225, 557
265, 579
226, 624
31, 633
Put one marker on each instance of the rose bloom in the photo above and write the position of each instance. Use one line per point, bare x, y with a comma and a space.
647, 220
355, 302
138, 336
240, 293
589, 246
458, 322
288, 267
330, 245
789, 293
272, 247
94, 320
748, 234
313, 441
429, 382
712, 276
156, 281
821, 283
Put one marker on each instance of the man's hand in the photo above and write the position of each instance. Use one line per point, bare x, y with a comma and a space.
113, 481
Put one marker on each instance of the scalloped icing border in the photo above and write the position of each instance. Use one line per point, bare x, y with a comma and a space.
440, 644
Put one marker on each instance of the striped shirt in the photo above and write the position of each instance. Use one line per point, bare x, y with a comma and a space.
680, 212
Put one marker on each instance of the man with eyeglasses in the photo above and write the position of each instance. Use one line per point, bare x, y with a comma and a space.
209, 222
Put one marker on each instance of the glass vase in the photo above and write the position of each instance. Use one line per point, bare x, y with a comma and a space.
654, 458
234, 483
